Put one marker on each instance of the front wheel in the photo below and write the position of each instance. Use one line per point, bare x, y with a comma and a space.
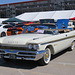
3, 34
46, 58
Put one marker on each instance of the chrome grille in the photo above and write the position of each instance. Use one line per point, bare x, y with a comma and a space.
24, 53
16, 48
20, 52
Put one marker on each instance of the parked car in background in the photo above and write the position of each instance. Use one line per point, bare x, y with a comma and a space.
34, 27
4, 28
71, 24
15, 30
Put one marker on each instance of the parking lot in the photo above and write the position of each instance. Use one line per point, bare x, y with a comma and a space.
62, 63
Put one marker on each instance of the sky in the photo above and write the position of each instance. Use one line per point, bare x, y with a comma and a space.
12, 1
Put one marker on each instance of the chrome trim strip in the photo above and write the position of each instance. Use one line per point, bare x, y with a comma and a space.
57, 40
28, 51
25, 55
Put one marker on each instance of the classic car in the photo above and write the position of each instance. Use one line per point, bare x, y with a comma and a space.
36, 46
17, 29
34, 27
71, 25
3, 29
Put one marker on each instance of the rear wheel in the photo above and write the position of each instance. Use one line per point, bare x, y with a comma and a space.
72, 46
3, 34
46, 58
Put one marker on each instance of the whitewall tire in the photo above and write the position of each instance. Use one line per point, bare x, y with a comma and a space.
72, 46
46, 58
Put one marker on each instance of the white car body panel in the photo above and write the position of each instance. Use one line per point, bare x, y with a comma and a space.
59, 42
3, 30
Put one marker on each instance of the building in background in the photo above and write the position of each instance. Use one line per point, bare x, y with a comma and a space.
14, 9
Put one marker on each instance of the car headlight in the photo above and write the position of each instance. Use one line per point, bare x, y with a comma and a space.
35, 46
30, 46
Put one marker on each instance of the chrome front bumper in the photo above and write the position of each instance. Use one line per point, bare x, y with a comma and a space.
21, 54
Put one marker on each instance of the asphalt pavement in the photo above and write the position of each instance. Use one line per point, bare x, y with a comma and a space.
62, 63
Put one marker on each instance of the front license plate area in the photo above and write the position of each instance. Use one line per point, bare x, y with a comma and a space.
12, 56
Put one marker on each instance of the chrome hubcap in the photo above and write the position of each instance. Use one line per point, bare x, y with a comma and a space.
73, 45
47, 56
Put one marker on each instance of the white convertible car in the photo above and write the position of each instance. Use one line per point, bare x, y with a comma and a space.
37, 46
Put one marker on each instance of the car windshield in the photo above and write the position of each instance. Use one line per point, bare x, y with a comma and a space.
44, 31
39, 29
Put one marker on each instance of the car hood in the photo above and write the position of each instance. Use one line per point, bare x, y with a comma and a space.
22, 39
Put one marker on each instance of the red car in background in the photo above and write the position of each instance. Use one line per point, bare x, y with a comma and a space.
17, 29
